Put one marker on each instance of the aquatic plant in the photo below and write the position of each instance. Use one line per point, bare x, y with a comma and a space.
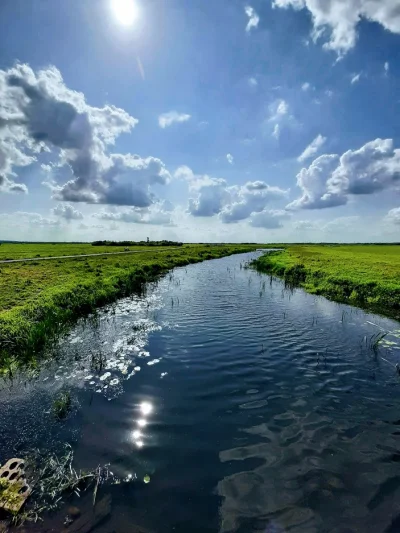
376, 339
62, 405
54, 477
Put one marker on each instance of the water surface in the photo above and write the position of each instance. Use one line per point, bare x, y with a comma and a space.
253, 408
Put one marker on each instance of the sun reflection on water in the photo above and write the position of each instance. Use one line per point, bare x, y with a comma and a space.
145, 408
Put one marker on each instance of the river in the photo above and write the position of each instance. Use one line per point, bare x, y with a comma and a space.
251, 407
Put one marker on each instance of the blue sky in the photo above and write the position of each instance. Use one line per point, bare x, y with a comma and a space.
266, 120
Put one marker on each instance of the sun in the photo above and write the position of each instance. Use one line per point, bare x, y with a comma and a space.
125, 11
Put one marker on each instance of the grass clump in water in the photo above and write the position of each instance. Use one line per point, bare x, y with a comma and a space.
53, 477
62, 405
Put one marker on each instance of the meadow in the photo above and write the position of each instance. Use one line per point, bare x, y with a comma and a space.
27, 250
364, 275
39, 300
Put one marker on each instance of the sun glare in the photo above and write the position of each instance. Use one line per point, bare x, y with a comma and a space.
125, 11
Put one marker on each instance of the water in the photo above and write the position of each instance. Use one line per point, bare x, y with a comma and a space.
255, 408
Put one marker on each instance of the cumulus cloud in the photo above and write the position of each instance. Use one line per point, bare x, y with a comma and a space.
312, 181
312, 148
268, 219
209, 197
213, 196
67, 211
16, 148
248, 199
38, 112
336, 21
393, 216
172, 117
229, 157
208, 194
330, 179
8, 185
254, 19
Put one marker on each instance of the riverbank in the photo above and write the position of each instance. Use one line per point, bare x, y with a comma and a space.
40, 300
363, 275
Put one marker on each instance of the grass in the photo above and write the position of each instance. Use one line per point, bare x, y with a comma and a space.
28, 250
39, 300
364, 275
52, 478
62, 405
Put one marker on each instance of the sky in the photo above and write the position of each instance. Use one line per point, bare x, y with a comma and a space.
200, 121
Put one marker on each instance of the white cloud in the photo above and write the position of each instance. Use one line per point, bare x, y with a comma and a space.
330, 179
254, 19
278, 113
336, 21
355, 78
393, 216
244, 201
386, 67
229, 157
312, 181
312, 148
306, 86
125, 180
268, 219
208, 196
253, 82
213, 196
68, 212
38, 112
172, 117
277, 110
277, 132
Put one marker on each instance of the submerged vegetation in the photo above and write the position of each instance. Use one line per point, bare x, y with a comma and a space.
364, 275
62, 405
39, 300
53, 478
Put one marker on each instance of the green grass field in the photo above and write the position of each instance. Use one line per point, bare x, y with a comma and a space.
40, 299
21, 251
365, 275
